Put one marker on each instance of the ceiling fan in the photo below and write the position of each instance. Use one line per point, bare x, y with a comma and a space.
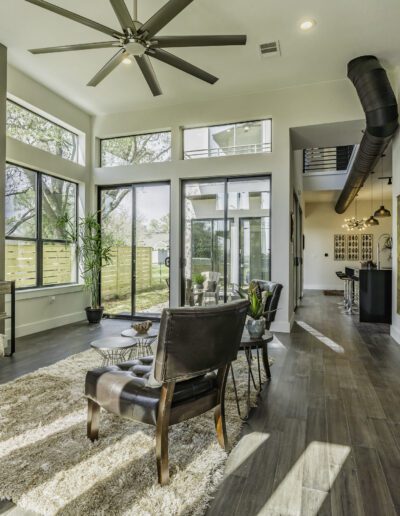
140, 40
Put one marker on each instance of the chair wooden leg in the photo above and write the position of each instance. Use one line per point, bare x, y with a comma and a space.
162, 453
167, 391
220, 425
93, 420
219, 412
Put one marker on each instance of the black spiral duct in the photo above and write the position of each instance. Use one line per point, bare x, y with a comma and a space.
380, 106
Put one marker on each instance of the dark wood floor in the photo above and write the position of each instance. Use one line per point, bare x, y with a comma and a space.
325, 437
48, 347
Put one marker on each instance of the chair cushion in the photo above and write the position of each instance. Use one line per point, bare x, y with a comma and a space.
122, 389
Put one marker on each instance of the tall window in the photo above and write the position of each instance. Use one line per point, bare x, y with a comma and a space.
226, 233
136, 149
37, 252
29, 127
229, 139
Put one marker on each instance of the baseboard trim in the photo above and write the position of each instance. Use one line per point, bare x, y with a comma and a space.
324, 287
395, 333
47, 324
282, 326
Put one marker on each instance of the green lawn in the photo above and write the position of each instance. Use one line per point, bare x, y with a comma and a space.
157, 294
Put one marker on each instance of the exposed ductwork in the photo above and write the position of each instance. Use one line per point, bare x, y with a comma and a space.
380, 106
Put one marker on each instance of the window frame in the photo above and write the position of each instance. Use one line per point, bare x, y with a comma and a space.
39, 115
226, 179
39, 240
221, 124
132, 135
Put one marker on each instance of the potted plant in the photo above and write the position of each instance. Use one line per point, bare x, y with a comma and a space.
94, 252
199, 280
255, 322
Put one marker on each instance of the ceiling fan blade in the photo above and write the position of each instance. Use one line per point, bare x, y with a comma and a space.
149, 75
108, 68
197, 41
76, 17
68, 48
123, 15
163, 16
179, 63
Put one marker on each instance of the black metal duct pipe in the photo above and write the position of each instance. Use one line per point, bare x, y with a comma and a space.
380, 106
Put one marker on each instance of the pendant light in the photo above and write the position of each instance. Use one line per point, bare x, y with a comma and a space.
354, 222
382, 211
372, 221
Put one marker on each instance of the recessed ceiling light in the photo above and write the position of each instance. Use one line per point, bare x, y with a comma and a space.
127, 60
307, 24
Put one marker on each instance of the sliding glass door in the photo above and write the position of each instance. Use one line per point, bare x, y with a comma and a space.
253, 249
226, 235
135, 220
151, 250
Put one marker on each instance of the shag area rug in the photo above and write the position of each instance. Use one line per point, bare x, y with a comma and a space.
47, 464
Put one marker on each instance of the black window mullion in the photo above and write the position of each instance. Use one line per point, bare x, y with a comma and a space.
225, 240
77, 236
133, 254
39, 241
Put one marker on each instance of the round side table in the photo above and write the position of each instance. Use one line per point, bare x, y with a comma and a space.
141, 342
248, 345
113, 350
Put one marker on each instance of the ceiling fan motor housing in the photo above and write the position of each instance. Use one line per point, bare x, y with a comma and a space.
135, 48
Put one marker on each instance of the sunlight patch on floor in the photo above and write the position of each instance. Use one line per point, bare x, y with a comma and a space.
276, 344
247, 445
34, 435
334, 346
287, 497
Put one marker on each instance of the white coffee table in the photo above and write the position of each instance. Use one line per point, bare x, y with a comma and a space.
142, 342
114, 350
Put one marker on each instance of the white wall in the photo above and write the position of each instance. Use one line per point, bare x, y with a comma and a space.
41, 309
395, 327
292, 107
321, 223
3, 93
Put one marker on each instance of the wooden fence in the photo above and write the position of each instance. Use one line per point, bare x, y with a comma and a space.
58, 263
116, 278
59, 267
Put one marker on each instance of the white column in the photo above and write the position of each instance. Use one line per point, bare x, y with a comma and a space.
3, 98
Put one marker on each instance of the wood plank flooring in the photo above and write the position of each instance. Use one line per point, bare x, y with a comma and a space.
325, 437
331, 422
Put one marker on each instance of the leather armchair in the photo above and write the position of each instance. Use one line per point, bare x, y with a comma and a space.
196, 346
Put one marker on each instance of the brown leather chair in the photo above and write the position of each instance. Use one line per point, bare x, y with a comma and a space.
195, 349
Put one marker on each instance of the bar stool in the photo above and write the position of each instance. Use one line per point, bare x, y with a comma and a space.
356, 295
345, 302
352, 294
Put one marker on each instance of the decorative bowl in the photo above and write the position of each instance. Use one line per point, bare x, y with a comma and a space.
142, 327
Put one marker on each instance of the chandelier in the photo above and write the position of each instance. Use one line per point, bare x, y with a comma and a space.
354, 223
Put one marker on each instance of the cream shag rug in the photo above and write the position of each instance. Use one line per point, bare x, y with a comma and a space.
48, 465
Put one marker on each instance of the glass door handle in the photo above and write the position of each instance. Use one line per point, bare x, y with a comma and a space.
167, 261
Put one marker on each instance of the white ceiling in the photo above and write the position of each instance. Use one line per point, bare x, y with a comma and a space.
344, 30
380, 189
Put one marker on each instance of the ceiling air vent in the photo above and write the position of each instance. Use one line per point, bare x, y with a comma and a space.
270, 49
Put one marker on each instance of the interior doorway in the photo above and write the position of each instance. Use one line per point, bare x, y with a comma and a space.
298, 240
